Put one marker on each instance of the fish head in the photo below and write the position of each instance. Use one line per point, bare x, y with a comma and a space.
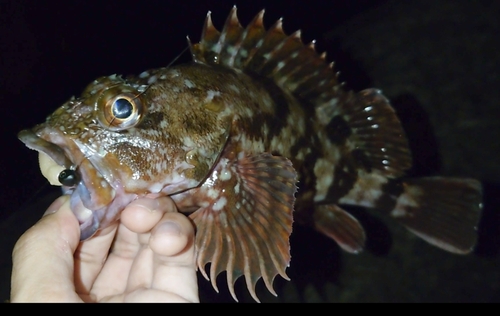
124, 138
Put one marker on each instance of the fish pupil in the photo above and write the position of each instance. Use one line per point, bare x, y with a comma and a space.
122, 108
68, 178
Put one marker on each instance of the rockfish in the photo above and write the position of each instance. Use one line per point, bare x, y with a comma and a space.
255, 133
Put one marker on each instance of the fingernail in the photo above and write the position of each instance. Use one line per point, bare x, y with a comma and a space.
169, 228
149, 204
49, 211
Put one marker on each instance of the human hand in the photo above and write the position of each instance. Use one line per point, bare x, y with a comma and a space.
148, 256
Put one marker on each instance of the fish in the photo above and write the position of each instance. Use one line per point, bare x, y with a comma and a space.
256, 134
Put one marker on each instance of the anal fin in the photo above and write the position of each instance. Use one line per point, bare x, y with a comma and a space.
443, 211
341, 226
245, 220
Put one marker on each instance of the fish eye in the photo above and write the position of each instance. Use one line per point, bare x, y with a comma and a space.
119, 108
122, 108
68, 178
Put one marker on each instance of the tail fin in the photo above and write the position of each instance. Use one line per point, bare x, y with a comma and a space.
443, 211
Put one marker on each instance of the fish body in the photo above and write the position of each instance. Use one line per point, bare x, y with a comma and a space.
254, 134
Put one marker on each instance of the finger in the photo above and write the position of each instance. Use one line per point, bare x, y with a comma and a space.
136, 221
90, 258
43, 257
167, 267
172, 242
171, 237
143, 214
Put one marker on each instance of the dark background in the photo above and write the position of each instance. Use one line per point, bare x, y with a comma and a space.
436, 60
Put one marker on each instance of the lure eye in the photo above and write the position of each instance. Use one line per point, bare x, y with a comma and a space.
119, 109
68, 178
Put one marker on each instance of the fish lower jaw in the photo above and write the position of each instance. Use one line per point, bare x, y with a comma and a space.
89, 223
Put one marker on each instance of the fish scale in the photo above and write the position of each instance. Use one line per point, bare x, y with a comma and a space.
254, 134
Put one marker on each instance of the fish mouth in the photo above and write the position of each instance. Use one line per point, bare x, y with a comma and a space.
94, 199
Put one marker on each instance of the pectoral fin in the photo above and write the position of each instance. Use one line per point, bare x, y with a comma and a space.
245, 220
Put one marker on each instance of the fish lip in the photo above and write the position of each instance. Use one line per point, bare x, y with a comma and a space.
66, 152
35, 142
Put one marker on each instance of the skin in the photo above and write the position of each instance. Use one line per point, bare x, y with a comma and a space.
148, 256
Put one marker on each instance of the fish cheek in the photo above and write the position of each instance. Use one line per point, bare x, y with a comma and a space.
128, 160
201, 168
211, 141
203, 163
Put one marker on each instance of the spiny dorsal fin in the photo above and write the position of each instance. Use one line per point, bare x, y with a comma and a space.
371, 125
272, 53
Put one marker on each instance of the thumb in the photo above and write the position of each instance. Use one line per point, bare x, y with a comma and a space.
42, 258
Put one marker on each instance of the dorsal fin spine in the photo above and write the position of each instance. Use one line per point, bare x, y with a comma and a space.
292, 65
251, 40
230, 39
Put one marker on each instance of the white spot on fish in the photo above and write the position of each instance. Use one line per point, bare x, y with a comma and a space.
204, 204
274, 142
213, 193
188, 83
232, 50
243, 52
280, 65
219, 204
265, 129
333, 102
268, 103
324, 170
188, 142
210, 95
152, 79
300, 155
225, 175
404, 201
366, 191
234, 88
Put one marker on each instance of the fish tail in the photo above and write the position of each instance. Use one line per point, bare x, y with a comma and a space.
443, 211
